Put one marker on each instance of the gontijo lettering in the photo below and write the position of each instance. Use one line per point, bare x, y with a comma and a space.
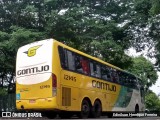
102, 85
33, 70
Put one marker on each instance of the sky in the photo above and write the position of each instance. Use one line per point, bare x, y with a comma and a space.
132, 52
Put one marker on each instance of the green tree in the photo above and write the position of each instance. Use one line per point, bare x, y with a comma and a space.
85, 26
144, 69
82, 25
152, 102
9, 44
3, 91
144, 27
98, 27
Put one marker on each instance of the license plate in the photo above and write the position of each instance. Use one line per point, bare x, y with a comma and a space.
32, 101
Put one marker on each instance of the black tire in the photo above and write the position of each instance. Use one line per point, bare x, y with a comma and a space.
96, 109
137, 109
85, 109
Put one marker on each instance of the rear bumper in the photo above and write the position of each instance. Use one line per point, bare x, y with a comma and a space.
38, 104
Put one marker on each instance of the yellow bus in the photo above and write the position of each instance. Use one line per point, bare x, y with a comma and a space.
56, 79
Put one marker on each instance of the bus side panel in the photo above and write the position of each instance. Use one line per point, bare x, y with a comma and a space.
73, 87
82, 86
69, 91
107, 92
135, 100
127, 99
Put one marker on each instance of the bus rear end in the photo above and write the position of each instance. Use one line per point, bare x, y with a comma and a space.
35, 82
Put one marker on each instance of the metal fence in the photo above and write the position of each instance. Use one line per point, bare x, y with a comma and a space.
8, 102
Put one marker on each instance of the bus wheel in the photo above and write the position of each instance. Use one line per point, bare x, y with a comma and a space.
137, 109
85, 109
96, 109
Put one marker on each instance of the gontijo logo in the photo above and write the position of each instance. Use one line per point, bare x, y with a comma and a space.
32, 51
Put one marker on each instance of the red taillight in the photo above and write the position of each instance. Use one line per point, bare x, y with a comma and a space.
54, 81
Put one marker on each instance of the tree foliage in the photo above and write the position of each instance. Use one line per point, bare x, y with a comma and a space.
81, 24
9, 44
145, 70
145, 27
152, 102
101, 28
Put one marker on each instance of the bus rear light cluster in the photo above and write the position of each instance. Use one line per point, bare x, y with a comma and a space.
54, 85
54, 80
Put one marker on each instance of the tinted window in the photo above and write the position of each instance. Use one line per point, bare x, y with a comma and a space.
63, 58
121, 77
105, 71
114, 75
78, 64
95, 69
134, 82
82, 64
85, 65
126, 77
130, 81
75, 62
71, 63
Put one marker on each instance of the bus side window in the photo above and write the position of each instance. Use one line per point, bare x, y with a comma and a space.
114, 76
134, 82
105, 71
98, 69
121, 77
91, 69
125, 79
138, 83
78, 64
63, 58
130, 81
71, 63
95, 69
85, 65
